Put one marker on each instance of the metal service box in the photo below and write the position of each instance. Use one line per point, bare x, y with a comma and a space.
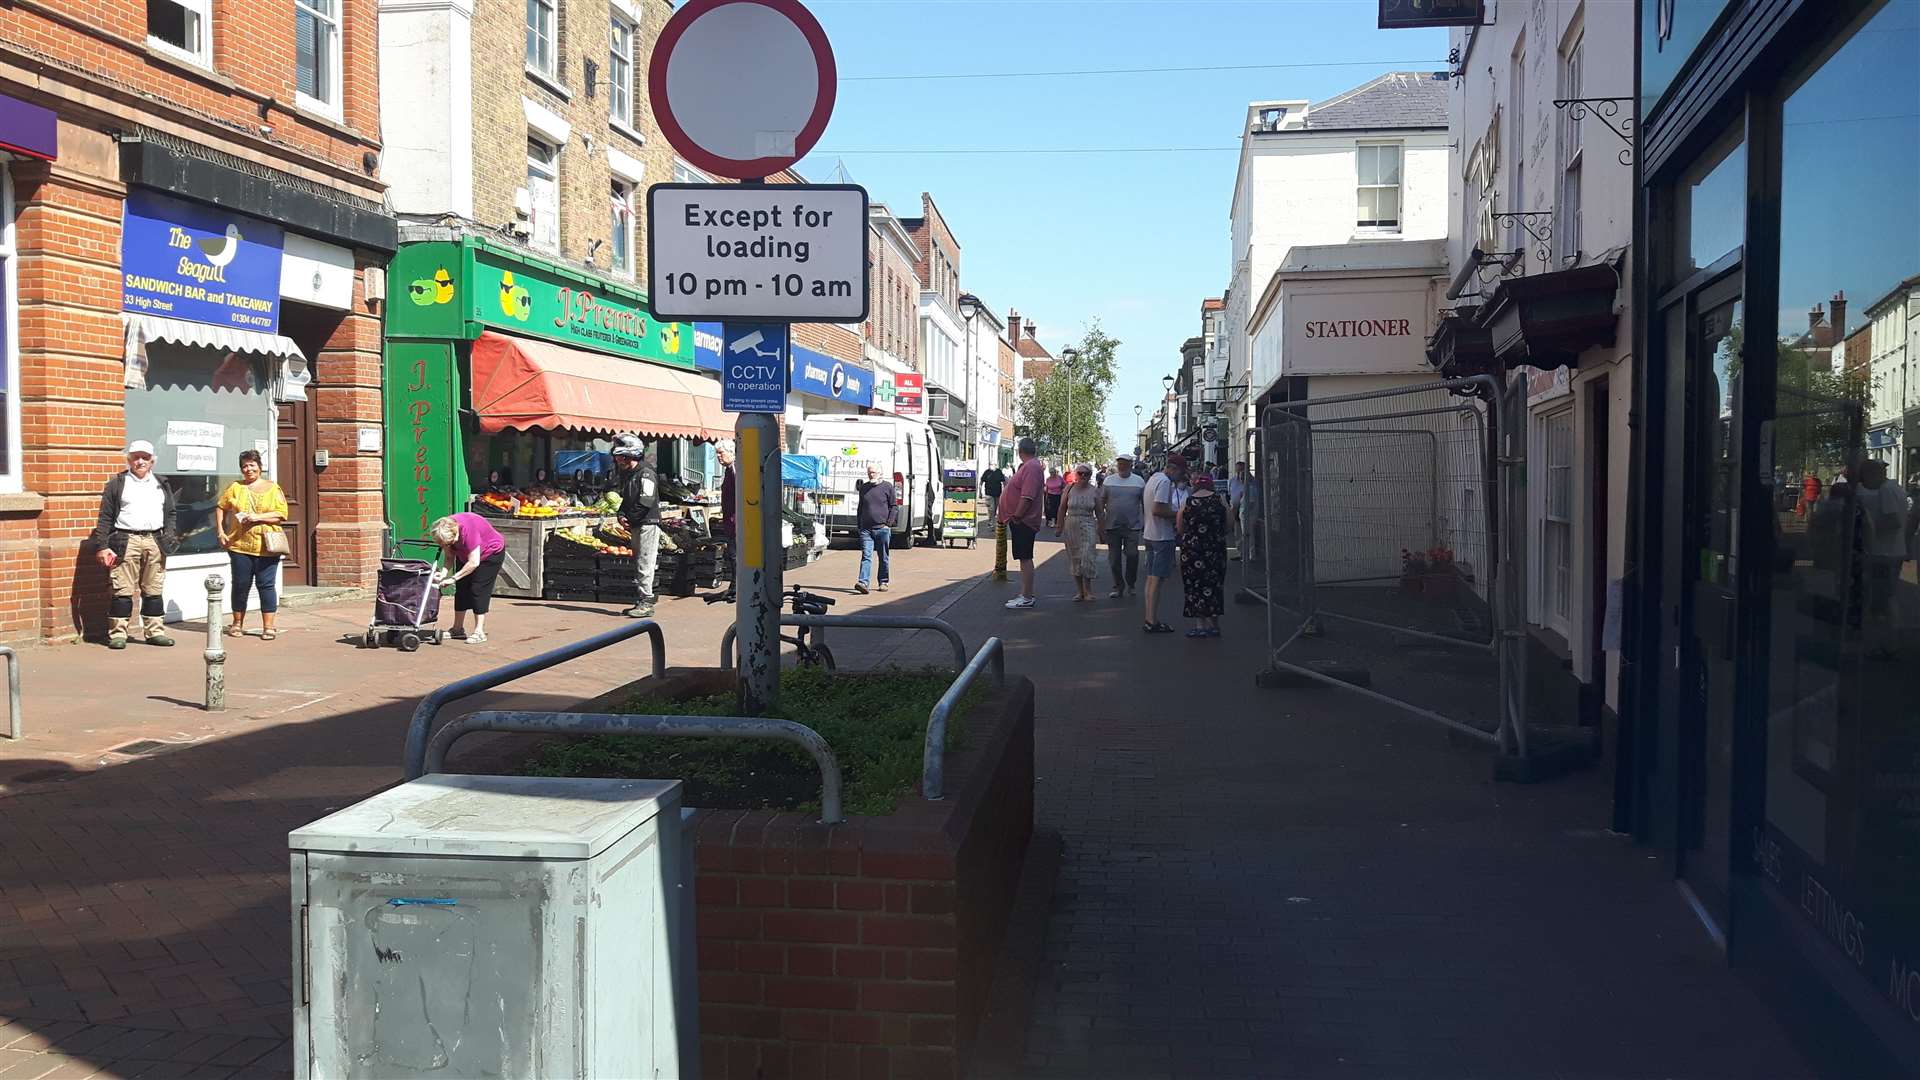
501, 926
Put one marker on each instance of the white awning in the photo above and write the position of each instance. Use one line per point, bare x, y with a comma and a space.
291, 379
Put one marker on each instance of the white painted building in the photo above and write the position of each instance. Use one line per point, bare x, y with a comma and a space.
1893, 404
1541, 207
980, 376
1366, 167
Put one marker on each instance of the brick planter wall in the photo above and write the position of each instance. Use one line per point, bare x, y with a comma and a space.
864, 949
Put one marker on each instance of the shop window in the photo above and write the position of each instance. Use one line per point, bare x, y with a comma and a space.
9, 357
316, 55
1842, 724
200, 408
1378, 166
1709, 207
620, 71
622, 203
542, 33
183, 28
543, 195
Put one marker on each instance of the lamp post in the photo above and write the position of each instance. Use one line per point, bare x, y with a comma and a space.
1167, 408
1137, 410
1070, 359
970, 310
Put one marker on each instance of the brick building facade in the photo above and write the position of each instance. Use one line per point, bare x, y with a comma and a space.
130, 129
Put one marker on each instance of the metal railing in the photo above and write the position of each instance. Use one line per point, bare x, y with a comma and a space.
725, 727
933, 756
16, 725
859, 622
421, 726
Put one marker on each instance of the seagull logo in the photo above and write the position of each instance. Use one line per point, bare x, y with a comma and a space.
220, 250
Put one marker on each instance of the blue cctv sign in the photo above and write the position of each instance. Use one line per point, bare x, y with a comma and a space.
753, 367
187, 261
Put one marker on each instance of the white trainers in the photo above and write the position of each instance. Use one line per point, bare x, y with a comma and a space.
1020, 603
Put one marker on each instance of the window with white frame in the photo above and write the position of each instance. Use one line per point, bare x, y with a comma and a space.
542, 35
622, 202
543, 195
684, 173
620, 71
1556, 563
1568, 228
316, 55
182, 27
9, 355
1517, 116
1378, 169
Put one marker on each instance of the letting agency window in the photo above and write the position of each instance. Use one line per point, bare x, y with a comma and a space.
1379, 189
183, 28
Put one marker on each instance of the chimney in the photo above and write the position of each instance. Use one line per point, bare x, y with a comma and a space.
1815, 316
1838, 306
1029, 329
1013, 328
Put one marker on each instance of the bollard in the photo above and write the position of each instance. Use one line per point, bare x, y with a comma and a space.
999, 551
216, 653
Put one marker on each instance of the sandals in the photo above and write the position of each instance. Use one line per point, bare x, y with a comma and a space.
1156, 628
235, 631
476, 639
269, 634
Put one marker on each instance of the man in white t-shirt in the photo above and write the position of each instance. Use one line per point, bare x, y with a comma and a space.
1123, 508
1884, 506
1164, 496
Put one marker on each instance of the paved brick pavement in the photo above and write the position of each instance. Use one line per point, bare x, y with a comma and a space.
1298, 883
143, 900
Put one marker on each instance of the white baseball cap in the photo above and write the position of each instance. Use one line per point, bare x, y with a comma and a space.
139, 446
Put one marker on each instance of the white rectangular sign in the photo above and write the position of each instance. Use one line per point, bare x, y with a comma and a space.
196, 459
195, 433
778, 253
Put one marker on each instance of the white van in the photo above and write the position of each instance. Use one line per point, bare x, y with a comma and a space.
902, 450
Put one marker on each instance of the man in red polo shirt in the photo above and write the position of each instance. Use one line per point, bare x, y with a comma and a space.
1022, 510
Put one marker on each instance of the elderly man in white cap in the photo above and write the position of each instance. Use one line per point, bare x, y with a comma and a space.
131, 539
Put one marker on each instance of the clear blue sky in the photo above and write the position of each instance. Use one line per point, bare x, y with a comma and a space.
1136, 240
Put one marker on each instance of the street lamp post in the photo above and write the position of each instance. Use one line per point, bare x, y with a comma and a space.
1137, 410
1070, 359
970, 310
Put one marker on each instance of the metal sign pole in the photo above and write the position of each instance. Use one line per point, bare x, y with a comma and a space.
759, 567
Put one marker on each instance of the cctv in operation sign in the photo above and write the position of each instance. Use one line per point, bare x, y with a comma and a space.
793, 252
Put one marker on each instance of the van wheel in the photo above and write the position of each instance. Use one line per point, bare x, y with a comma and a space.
902, 540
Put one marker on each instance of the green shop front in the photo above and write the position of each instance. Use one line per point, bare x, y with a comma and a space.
507, 376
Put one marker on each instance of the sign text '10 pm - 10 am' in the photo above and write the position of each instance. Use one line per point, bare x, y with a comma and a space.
794, 252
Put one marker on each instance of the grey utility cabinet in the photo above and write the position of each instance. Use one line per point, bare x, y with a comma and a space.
498, 926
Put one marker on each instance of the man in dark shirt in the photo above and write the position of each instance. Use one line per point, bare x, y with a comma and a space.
640, 511
875, 520
991, 482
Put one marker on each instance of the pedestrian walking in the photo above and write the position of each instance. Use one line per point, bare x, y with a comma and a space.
1079, 523
1203, 525
874, 518
473, 551
248, 521
723, 453
1242, 491
1123, 515
640, 512
1163, 501
1883, 505
132, 538
991, 483
1055, 485
1022, 512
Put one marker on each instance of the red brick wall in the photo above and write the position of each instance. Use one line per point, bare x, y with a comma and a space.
865, 949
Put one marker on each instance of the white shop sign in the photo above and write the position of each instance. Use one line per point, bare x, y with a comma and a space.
1363, 326
786, 252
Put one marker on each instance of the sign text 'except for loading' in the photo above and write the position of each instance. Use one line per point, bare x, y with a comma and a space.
785, 251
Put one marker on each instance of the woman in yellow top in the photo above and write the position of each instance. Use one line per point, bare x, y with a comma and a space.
251, 509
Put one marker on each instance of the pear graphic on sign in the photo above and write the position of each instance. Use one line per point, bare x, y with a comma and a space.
220, 250
515, 300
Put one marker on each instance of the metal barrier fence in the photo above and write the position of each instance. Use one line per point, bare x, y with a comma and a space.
1381, 550
933, 757
421, 725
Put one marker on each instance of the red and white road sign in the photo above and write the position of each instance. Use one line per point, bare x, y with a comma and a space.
742, 88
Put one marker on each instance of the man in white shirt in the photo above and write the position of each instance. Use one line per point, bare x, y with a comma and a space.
1164, 498
1123, 508
131, 539
1884, 506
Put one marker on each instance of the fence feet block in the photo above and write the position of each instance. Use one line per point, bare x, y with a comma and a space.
1286, 678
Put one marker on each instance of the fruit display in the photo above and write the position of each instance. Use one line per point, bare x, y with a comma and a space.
495, 502
529, 510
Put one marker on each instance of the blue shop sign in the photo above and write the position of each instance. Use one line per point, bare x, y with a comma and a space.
187, 261
706, 346
822, 376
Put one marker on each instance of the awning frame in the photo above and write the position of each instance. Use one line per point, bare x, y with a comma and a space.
292, 374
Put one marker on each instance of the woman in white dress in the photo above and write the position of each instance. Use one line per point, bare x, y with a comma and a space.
1080, 523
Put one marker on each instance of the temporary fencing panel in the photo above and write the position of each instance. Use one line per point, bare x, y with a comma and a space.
1382, 552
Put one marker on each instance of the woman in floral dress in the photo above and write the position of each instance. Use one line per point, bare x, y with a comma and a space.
1079, 522
1203, 526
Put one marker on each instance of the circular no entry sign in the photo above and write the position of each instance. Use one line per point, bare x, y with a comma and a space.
742, 88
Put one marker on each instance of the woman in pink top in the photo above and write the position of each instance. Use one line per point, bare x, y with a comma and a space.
473, 550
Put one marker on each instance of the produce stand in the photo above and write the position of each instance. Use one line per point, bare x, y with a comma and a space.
804, 534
